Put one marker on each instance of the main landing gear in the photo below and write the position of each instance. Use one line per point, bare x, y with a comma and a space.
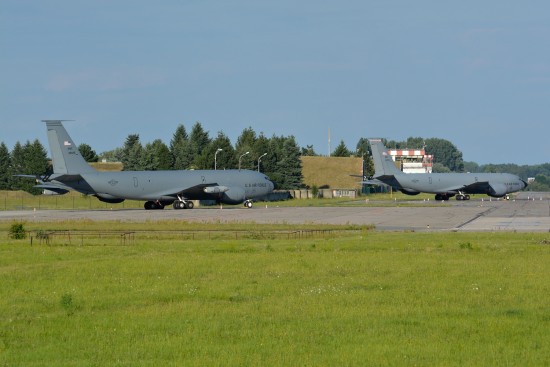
153, 205
445, 197
178, 204
183, 204
247, 204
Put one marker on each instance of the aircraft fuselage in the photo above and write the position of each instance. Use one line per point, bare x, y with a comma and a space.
159, 185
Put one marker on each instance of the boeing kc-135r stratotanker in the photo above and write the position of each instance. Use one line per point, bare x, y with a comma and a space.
443, 185
157, 188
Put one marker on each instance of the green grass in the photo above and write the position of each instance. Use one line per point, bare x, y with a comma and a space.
356, 298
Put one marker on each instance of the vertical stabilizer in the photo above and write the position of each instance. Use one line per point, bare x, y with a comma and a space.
383, 163
66, 158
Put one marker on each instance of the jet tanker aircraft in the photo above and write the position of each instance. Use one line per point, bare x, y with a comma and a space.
157, 188
443, 185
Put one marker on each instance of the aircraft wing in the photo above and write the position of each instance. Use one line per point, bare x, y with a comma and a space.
372, 182
483, 186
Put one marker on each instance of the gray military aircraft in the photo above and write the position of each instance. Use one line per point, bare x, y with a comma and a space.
443, 185
157, 188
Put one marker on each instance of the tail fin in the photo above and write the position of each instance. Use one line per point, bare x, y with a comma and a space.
383, 163
66, 158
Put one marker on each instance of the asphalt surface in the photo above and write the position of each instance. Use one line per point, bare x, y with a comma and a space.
528, 212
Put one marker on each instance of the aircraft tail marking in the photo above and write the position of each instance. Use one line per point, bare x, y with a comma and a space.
383, 163
66, 158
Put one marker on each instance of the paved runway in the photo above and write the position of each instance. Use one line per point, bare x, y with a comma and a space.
528, 212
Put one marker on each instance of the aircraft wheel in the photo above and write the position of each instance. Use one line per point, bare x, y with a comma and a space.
189, 205
248, 204
149, 205
467, 197
459, 197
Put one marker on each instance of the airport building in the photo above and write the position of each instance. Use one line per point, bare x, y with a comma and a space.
412, 160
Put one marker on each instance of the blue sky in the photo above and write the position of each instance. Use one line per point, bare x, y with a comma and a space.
474, 72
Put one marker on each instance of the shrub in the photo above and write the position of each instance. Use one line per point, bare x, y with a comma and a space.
17, 231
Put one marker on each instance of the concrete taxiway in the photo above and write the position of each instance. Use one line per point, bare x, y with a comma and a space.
528, 212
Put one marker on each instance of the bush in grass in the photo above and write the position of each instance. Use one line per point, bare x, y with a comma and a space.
68, 304
466, 246
17, 231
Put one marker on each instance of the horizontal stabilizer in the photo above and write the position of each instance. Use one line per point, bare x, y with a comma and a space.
54, 188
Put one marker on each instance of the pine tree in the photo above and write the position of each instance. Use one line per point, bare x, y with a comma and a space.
290, 165
27, 159
17, 166
87, 153
156, 156
364, 151
246, 143
225, 159
132, 153
180, 149
261, 146
4, 167
270, 161
36, 158
341, 150
198, 141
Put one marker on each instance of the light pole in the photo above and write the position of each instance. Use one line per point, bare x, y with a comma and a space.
242, 155
215, 158
259, 159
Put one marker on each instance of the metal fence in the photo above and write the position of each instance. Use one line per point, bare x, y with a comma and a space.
129, 238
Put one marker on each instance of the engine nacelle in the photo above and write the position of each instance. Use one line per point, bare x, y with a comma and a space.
234, 195
498, 190
215, 189
409, 192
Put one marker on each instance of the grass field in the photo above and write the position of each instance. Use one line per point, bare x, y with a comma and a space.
352, 297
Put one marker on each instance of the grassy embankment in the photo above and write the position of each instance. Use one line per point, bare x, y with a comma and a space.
350, 298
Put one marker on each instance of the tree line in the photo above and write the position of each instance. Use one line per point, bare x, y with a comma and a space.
278, 157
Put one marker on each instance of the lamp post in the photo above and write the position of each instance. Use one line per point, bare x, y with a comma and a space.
259, 159
216, 158
242, 155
